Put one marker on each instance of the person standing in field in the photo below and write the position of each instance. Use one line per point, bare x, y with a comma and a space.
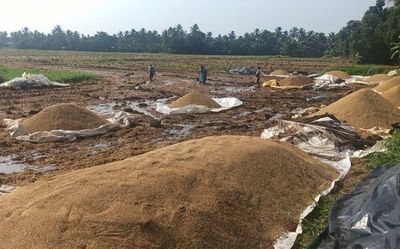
202, 75
258, 75
152, 72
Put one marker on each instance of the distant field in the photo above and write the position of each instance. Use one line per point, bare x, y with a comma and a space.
165, 62
7, 73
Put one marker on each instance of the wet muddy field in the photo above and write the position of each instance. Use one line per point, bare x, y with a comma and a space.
126, 88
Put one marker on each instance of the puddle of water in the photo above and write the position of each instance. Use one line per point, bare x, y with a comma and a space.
99, 148
5, 189
265, 109
276, 117
142, 107
179, 131
237, 89
247, 113
243, 114
314, 98
182, 131
9, 166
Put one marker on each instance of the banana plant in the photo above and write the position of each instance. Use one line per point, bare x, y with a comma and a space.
396, 51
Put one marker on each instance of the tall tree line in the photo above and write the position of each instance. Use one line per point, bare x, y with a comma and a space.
369, 39
296, 42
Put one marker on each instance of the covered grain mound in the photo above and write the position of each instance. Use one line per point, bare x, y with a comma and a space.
387, 85
279, 73
194, 99
217, 192
296, 81
63, 117
393, 95
377, 78
339, 74
364, 109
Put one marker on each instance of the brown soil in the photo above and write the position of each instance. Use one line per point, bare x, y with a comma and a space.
377, 78
296, 81
279, 72
63, 117
194, 99
364, 109
393, 95
387, 85
216, 192
339, 74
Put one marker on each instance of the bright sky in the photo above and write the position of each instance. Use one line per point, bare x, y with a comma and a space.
217, 16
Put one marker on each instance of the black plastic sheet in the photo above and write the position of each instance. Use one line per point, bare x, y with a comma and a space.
368, 217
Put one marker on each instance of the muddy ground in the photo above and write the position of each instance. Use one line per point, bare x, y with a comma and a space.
127, 85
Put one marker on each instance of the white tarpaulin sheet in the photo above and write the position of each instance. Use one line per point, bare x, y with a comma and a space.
28, 81
225, 103
321, 142
328, 82
116, 120
324, 136
356, 79
394, 73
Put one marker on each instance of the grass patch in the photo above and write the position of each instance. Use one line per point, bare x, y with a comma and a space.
364, 70
315, 223
392, 154
7, 73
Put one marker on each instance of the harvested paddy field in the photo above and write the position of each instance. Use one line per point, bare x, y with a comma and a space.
122, 86
122, 83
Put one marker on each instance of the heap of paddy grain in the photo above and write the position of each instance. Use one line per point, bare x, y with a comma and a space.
393, 95
63, 117
296, 81
339, 74
377, 78
279, 73
364, 109
194, 99
387, 85
216, 192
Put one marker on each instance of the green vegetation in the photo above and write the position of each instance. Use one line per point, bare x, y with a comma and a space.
7, 73
392, 154
315, 223
371, 37
364, 70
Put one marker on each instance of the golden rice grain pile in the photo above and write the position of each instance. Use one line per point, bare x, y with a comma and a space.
279, 73
63, 117
393, 95
216, 192
387, 85
296, 81
339, 74
194, 99
377, 78
364, 109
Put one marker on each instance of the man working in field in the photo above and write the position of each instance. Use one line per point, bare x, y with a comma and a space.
152, 72
202, 75
258, 75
